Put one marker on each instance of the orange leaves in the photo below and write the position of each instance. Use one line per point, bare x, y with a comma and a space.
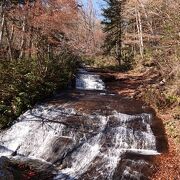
55, 15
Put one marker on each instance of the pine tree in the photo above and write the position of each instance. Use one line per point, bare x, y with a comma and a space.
113, 28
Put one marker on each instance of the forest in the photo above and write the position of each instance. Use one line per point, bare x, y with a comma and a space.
44, 43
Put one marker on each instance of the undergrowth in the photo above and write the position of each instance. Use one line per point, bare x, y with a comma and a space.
25, 82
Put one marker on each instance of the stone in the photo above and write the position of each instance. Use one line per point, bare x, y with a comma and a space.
5, 173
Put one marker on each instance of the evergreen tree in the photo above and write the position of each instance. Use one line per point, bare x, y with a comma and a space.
113, 28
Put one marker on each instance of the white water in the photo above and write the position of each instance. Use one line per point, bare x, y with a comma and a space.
120, 140
89, 81
38, 135
89, 146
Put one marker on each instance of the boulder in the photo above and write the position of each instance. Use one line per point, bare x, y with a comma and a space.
5, 173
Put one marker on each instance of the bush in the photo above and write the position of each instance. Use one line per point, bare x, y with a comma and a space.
25, 82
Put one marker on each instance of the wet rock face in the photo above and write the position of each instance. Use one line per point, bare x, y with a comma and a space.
88, 136
80, 144
25, 169
5, 173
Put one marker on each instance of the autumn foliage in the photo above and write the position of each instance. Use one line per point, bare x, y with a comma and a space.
37, 53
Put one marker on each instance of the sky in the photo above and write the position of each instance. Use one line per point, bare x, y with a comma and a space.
98, 4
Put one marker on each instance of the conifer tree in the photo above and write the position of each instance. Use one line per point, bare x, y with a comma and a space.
113, 28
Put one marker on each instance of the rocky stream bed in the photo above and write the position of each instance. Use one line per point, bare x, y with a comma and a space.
87, 133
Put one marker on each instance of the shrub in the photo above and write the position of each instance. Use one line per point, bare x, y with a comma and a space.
25, 82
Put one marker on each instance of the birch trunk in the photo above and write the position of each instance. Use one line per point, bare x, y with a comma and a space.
140, 32
2, 28
149, 23
22, 46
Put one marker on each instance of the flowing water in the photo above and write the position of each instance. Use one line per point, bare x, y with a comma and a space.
89, 81
85, 134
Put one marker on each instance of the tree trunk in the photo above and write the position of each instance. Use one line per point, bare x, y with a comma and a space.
8, 36
30, 43
119, 38
12, 33
2, 28
146, 16
118, 53
49, 52
23, 43
140, 33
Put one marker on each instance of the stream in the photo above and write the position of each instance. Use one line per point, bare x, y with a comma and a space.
87, 133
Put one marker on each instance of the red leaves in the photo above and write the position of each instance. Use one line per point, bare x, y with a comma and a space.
25, 172
29, 175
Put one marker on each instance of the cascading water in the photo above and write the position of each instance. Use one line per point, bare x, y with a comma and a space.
83, 145
89, 81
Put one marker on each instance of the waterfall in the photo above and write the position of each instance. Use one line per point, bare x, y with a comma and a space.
89, 81
83, 145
